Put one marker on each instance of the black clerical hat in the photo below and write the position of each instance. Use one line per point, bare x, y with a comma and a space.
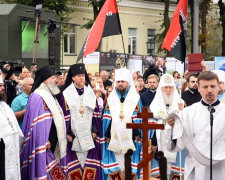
58, 73
40, 76
74, 70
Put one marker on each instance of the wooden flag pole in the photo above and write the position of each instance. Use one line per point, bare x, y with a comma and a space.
125, 57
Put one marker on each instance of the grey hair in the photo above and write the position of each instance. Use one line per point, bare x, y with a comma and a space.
26, 79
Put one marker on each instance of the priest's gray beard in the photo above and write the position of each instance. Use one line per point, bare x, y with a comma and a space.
53, 88
168, 98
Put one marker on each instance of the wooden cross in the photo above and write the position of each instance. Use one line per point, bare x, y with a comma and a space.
145, 127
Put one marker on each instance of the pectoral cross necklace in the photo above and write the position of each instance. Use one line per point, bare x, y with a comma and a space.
5, 114
81, 110
121, 111
121, 108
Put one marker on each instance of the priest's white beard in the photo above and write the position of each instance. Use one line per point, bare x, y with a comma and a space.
53, 88
168, 98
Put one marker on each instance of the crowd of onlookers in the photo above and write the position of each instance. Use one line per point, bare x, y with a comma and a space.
18, 88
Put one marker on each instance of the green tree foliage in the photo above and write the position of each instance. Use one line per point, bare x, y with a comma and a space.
97, 6
214, 33
61, 7
222, 18
164, 27
203, 7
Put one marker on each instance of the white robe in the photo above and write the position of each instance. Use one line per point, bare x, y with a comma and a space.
192, 131
162, 113
13, 141
121, 137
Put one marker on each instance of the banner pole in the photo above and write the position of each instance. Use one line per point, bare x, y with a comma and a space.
124, 50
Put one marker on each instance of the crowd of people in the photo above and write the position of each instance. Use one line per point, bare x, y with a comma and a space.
72, 125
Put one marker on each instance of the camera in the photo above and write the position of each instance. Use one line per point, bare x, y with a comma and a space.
9, 68
51, 25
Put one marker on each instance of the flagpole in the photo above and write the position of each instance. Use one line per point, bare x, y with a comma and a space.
124, 50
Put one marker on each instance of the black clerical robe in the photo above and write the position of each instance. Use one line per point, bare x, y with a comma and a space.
191, 97
2, 160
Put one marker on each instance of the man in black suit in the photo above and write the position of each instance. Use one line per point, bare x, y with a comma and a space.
149, 94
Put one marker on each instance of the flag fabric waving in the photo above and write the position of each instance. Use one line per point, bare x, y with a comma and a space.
106, 24
175, 40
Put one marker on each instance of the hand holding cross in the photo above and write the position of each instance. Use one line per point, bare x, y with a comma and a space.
145, 127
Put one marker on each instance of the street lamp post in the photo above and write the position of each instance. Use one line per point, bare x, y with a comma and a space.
150, 45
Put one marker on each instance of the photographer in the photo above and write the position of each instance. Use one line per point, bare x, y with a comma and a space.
10, 83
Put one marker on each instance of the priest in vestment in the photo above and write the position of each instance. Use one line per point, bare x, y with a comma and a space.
83, 126
122, 106
166, 105
191, 131
11, 138
44, 128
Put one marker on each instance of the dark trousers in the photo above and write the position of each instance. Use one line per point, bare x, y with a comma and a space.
2, 159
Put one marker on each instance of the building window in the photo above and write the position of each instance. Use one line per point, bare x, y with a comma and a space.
151, 38
70, 40
132, 41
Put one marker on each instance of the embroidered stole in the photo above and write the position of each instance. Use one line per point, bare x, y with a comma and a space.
81, 124
121, 137
57, 114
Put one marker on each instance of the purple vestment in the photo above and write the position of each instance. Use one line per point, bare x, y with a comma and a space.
93, 161
37, 162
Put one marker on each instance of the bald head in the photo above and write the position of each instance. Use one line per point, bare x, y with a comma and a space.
27, 85
104, 75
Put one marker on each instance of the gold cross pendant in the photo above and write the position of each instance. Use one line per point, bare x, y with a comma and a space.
81, 111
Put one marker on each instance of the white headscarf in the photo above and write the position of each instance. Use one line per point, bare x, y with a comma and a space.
158, 107
220, 74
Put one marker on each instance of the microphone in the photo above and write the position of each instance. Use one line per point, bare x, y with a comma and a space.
211, 109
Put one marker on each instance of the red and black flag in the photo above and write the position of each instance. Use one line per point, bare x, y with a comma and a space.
175, 40
106, 24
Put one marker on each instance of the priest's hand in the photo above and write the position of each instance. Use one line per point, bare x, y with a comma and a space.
69, 138
180, 106
107, 139
137, 138
94, 135
48, 145
170, 122
154, 148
